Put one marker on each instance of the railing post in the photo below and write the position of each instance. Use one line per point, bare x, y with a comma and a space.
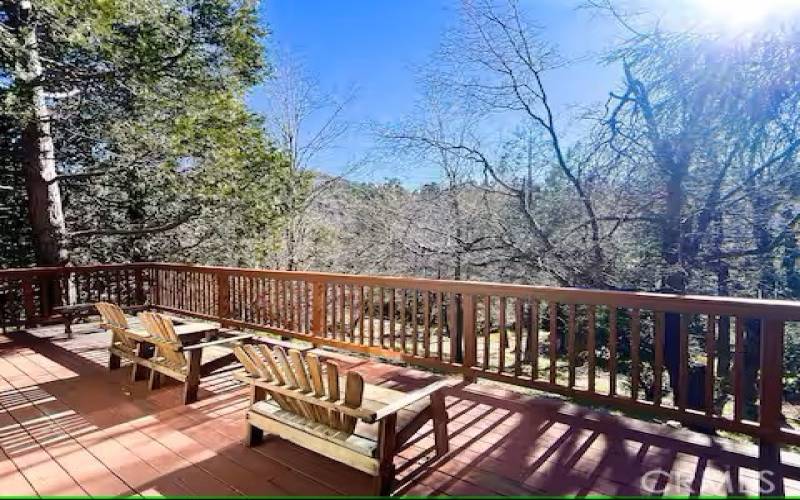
770, 405
470, 340
318, 306
28, 303
223, 297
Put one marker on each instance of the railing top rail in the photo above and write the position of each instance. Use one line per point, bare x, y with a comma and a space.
37, 271
785, 310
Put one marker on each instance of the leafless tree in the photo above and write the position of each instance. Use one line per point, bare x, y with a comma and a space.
305, 122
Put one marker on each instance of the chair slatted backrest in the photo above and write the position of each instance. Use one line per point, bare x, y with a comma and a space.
304, 373
115, 319
167, 342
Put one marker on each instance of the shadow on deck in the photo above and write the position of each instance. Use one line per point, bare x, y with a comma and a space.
69, 426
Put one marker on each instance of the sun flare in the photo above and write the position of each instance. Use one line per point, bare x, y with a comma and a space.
740, 14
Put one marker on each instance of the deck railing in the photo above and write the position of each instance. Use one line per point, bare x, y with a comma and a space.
708, 361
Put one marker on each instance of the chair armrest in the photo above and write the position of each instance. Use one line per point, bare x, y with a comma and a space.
407, 400
225, 340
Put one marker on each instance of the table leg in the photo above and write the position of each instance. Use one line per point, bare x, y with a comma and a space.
192, 383
68, 325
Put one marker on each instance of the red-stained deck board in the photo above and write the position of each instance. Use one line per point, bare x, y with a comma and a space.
69, 426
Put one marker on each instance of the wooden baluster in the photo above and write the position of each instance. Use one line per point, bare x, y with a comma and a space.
470, 339
176, 292
288, 295
518, 320
533, 338
210, 293
299, 306
636, 327
289, 304
612, 351
191, 279
371, 312
403, 297
188, 285
223, 297
363, 315
414, 324
232, 294
207, 293
439, 327
257, 300
353, 316
253, 299
658, 366
426, 323
88, 284
281, 305
591, 346
738, 373
487, 337
244, 299
711, 342
571, 345
392, 325
45, 288
334, 311
342, 298
198, 292
118, 288
309, 294
683, 370
501, 350
382, 324
553, 340
28, 302
274, 302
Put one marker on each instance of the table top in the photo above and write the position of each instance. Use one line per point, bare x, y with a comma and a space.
91, 307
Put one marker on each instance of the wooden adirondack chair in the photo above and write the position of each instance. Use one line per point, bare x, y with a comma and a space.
307, 408
172, 358
123, 344
159, 348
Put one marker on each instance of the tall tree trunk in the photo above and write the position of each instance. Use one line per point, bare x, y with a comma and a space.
766, 288
791, 277
38, 154
722, 269
675, 278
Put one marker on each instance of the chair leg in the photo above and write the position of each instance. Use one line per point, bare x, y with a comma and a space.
145, 351
439, 416
382, 483
155, 380
387, 446
113, 361
253, 435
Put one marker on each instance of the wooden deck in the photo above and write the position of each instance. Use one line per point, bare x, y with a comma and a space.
69, 426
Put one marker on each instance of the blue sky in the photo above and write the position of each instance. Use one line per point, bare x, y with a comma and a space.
375, 45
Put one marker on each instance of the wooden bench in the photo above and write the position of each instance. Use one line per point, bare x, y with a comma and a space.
162, 348
364, 427
74, 311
